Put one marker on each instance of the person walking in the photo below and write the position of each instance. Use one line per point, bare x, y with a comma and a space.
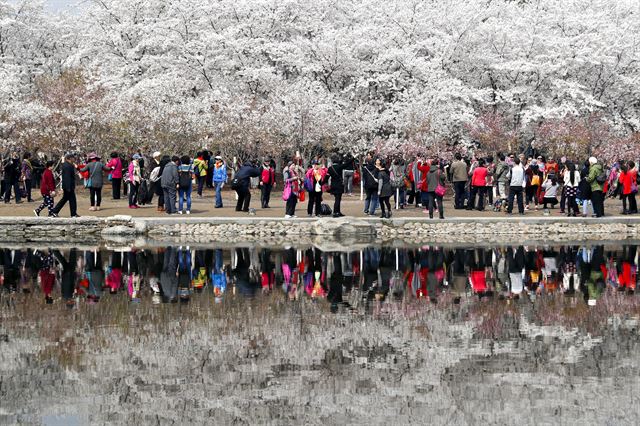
241, 184
385, 189
48, 190
115, 165
185, 183
459, 176
95, 182
135, 177
517, 183
12, 180
68, 187
200, 166
314, 180
26, 175
267, 182
169, 182
292, 178
435, 179
501, 177
336, 173
154, 178
219, 179
596, 178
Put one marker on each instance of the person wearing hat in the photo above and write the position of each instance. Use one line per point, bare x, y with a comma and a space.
219, 179
95, 181
597, 178
154, 179
68, 187
134, 179
267, 182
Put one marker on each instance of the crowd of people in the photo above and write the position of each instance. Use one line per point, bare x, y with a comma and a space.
478, 183
175, 274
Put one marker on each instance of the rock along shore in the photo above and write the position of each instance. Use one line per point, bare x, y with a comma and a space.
374, 230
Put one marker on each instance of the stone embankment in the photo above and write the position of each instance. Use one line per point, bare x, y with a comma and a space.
357, 230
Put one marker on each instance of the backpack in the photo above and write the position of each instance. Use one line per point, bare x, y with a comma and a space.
155, 174
184, 179
143, 192
235, 184
325, 210
308, 184
601, 178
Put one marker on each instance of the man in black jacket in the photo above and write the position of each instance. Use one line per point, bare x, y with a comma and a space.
241, 185
68, 187
12, 180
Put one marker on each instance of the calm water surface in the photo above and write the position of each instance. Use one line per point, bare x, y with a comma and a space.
292, 335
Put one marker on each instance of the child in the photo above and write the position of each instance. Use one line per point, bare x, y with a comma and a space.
550, 187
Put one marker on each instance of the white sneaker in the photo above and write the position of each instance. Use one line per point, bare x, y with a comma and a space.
180, 212
286, 216
188, 211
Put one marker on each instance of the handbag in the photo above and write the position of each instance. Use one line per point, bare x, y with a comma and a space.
440, 189
535, 180
286, 193
302, 197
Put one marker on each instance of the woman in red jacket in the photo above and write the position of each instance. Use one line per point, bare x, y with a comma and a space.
478, 186
626, 180
48, 190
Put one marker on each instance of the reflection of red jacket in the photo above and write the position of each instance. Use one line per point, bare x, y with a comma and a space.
627, 278
419, 290
47, 280
478, 280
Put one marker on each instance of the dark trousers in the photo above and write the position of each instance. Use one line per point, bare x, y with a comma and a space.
552, 201
315, 202
458, 200
69, 196
597, 200
95, 195
385, 205
572, 206
201, 181
480, 191
336, 203
633, 204
133, 193
516, 192
290, 209
169, 197
7, 191
28, 184
430, 200
265, 195
116, 184
244, 198
563, 199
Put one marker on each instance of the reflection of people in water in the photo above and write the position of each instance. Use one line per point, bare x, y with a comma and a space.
95, 275
68, 281
267, 273
515, 265
169, 276
246, 282
627, 269
218, 276
184, 274
114, 272
47, 274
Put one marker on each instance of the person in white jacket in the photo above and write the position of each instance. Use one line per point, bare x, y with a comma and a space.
517, 183
571, 184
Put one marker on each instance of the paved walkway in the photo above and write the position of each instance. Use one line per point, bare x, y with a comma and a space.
204, 207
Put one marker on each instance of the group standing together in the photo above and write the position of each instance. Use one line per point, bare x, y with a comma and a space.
529, 180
